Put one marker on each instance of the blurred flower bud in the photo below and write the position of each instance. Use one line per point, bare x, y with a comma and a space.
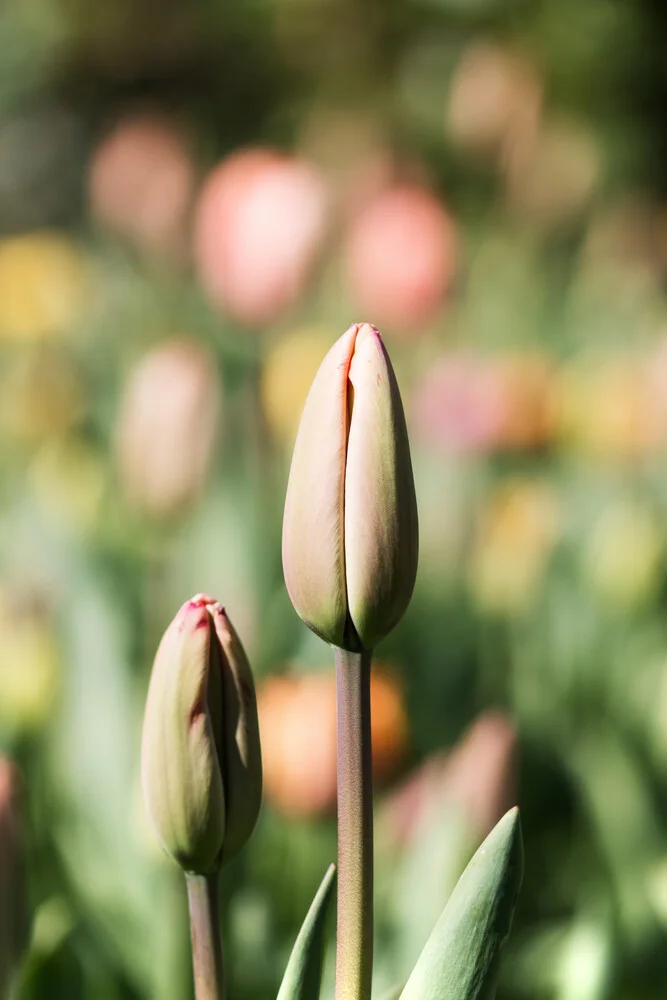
551, 177
459, 406
166, 427
69, 477
476, 778
141, 185
42, 395
605, 408
623, 558
13, 912
350, 146
474, 404
350, 528
401, 257
515, 536
655, 369
201, 760
622, 257
527, 382
495, 100
290, 368
298, 731
29, 663
44, 285
260, 222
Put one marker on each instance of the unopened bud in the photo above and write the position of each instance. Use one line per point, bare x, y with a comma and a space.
201, 759
350, 534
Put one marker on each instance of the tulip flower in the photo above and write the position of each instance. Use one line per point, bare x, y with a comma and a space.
350, 561
201, 761
350, 527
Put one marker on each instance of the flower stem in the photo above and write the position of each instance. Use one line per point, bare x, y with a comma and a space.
354, 937
205, 933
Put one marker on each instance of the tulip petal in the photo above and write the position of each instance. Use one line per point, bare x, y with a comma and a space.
313, 528
381, 533
241, 754
180, 772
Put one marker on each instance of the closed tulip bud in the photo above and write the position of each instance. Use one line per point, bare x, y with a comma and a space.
201, 759
350, 528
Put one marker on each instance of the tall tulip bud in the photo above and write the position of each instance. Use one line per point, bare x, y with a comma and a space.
350, 529
201, 759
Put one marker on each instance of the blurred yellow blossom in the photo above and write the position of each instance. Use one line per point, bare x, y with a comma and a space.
624, 555
515, 534
42, 395
69, 476
288, 373
527, 381
44, 284
604, 408
29, 665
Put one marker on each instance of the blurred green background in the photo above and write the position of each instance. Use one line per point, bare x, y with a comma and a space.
196, 199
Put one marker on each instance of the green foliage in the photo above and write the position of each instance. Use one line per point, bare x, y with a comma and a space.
462, 957
304, 970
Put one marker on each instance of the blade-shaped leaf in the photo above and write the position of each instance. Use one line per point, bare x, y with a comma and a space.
304, 970
462, 956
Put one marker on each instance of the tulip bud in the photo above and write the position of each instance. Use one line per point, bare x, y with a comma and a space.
350, 528
201, 760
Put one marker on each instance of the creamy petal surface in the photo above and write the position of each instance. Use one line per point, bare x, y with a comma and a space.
313, 527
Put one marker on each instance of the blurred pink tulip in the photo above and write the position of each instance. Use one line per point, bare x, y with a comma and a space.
402, 255
260, 222
478, 778
166, 427
460, 405
467, 403
142, 179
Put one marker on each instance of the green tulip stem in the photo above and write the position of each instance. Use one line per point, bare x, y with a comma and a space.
206, 940
354, 937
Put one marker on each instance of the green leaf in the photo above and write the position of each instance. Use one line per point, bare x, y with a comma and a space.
462, 957
304, 970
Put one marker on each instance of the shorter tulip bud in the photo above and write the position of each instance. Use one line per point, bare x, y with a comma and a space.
350, 528
201, 758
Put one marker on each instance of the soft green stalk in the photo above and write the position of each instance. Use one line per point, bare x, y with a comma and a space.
354, 938
206, 941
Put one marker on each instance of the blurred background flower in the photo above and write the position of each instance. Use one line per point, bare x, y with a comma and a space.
298, 731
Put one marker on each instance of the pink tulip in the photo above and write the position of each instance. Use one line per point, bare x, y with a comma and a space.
401, 257
142, 180
260, 222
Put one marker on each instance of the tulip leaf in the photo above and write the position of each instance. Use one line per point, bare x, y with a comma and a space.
304, 970
462, 957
